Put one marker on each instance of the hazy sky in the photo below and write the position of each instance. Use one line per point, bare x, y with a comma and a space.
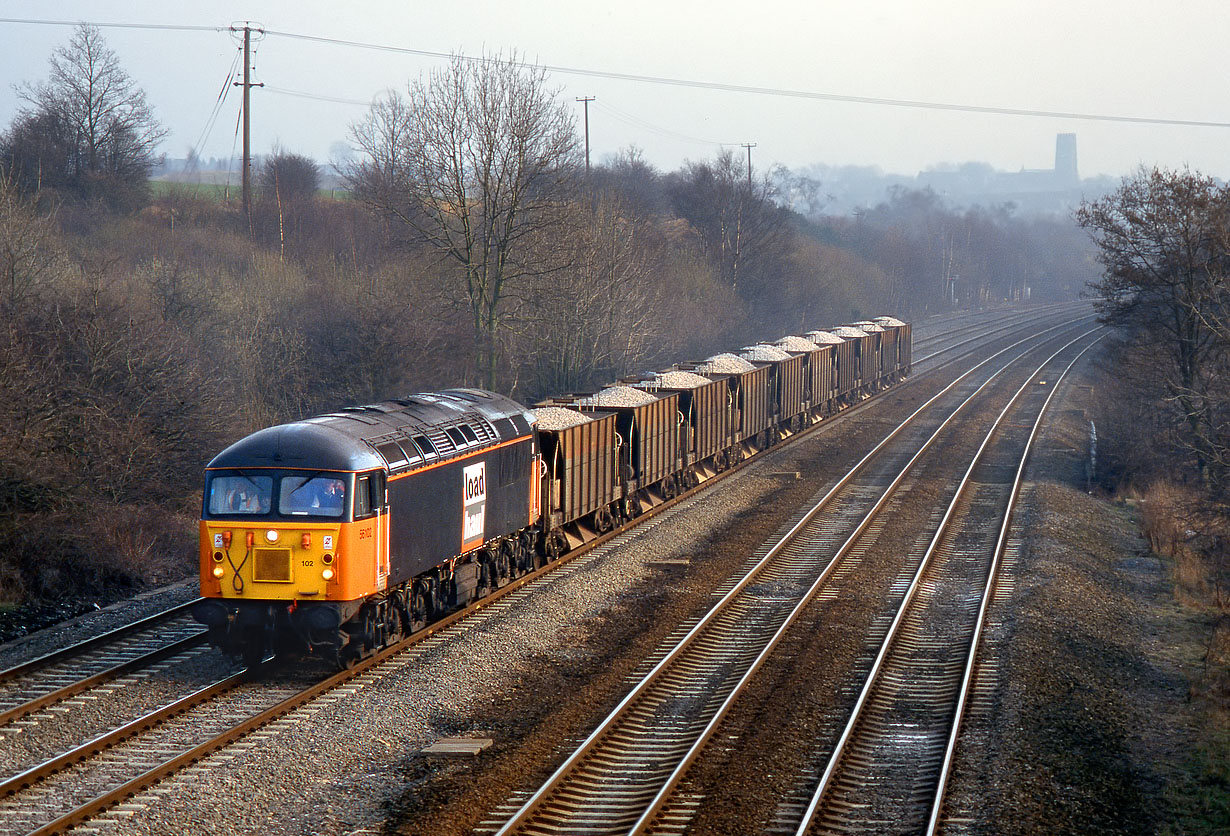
1100, 57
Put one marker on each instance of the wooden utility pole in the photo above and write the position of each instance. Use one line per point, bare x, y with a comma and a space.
586, 100
247, 86
749, 146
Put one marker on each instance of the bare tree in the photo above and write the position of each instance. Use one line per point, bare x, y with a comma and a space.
1162, 238
740, 228
602, 316
476, 161
29, 251
89, 129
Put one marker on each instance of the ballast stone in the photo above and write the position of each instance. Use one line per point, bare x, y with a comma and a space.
681, 380
558, 417
621, 396
763, 353
796, 344
725, 364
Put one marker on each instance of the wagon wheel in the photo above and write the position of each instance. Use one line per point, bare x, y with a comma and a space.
555, 545
603, 521
668, 487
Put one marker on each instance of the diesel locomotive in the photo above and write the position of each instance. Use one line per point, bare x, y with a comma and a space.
345, 532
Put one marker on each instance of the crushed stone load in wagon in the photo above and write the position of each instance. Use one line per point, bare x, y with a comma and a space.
849, 331
681, 380
725, 364
558, 418
824, 338
868, 326
763, 353
620, 396
796, 344
889, 321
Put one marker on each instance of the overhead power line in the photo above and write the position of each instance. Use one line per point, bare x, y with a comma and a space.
164, 26
777, 91
689, 83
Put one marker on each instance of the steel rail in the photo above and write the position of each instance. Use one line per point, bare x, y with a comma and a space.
29, 777
531, 806
1000, 547
99, 678
1007, 327
894, 628
1020, 318
646, 820
89, 644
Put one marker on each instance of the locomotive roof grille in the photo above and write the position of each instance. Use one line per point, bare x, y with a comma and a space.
421, 428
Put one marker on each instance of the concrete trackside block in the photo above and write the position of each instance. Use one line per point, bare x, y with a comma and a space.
458, 746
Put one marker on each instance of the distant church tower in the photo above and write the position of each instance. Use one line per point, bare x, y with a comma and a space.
1065, 160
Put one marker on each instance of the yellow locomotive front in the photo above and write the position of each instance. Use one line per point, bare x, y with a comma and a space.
249, 550
288, 554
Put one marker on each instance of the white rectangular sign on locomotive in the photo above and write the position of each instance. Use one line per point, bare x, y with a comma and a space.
474, 505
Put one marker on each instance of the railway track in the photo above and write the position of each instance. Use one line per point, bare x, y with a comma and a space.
171, 750
623, 777
889, 769
50, 679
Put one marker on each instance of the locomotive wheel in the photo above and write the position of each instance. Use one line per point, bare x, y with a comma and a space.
419, 608
510, 566
253, 653
486, 579
530, 557
397, 618
348, 657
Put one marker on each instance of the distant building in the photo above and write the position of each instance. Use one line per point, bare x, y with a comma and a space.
1047, 191
1065, 160
1041, 190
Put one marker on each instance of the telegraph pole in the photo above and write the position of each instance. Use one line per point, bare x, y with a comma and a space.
247, 86
586, 100
749, 146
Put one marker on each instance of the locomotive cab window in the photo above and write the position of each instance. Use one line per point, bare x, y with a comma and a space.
322, 496
240, 494
368, 495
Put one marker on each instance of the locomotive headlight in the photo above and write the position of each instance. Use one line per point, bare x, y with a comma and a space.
272, 535
327, 574
219, 571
